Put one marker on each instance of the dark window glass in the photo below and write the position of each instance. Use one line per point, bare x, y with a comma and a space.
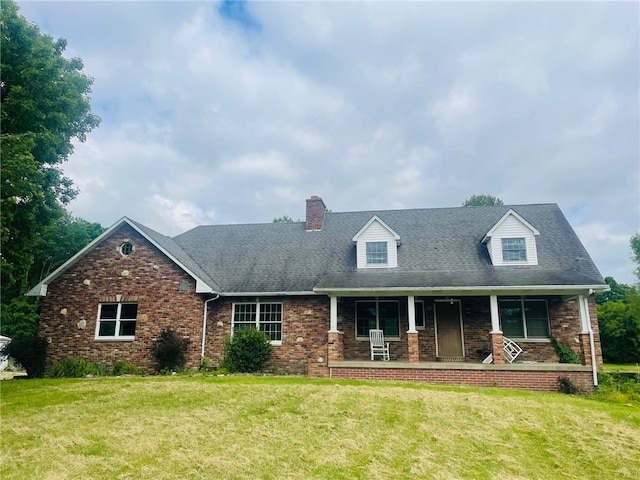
109, 311
107, 329
129, 310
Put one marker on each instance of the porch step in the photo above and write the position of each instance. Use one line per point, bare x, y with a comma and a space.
451, 359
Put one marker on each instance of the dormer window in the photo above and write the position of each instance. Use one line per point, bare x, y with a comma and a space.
512, 241
514, 250
376, 245
377, 253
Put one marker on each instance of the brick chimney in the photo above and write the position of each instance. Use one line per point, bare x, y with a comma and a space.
315, 213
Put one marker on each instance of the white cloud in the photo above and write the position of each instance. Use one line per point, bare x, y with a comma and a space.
367, 104
173, 217
271, 164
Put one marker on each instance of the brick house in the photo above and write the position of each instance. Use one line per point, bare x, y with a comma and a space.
445, 285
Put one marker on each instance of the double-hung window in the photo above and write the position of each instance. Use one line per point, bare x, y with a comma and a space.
514, 250
377, 253
377, 314
524, 318
116, 321
266, 317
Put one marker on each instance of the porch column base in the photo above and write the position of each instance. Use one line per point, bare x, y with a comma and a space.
336, 347
414, 350
497, 347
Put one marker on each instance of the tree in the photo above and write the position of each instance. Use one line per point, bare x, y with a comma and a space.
619, 292
482, 200
59, 242
284, 219
56, 244
45, 106
619, 332
635, 253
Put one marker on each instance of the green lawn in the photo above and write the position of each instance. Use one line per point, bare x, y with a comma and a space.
616, 367
208, 427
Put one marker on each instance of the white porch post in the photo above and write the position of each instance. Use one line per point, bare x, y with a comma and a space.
412, 314
333, 319
495, 317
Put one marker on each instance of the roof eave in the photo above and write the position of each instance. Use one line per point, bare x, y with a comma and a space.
467, 290
40, 290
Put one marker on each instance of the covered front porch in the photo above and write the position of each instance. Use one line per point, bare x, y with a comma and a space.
445, 336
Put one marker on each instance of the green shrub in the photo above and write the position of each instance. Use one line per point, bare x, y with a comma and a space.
30, 353
568, 386
125, 368
169, 351
246, 351
622, 386
77, 368
565, 352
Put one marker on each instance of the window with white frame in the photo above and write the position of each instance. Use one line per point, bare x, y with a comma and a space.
524, 318
514, 250
266, 317
116, 321
377, 314
419, 308
376, 253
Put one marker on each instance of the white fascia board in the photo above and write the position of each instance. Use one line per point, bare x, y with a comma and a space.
375, 218
504, 217
267, 294
40, 290
468, 291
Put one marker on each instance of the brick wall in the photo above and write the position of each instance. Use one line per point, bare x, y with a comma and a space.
528, 380
305, 323
165, 295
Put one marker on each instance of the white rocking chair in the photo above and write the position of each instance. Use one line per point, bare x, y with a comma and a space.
378, 346
511, 351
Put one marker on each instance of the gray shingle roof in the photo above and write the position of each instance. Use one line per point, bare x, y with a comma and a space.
175, 250
439, 248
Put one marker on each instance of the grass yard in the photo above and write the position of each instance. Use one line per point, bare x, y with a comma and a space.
617, 368
207, 427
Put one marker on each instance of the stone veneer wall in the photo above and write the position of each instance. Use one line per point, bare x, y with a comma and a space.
165, 295
305, 323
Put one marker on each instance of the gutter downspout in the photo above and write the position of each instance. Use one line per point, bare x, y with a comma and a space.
204, 324
594, 367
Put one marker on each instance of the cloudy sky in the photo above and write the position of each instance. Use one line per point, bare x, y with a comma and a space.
237, 112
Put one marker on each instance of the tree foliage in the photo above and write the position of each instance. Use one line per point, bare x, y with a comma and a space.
59, 242
482, 200
635, 253
284, 219
619, 292
619, 324
619, 316
45, 106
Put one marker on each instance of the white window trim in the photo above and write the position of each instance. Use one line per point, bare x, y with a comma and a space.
514, 262
526, 338
386, 254
377, 301
257, 318
114, 338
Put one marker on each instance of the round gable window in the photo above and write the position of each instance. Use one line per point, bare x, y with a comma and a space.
126, 248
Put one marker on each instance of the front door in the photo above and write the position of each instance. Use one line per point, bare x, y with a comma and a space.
448, 329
